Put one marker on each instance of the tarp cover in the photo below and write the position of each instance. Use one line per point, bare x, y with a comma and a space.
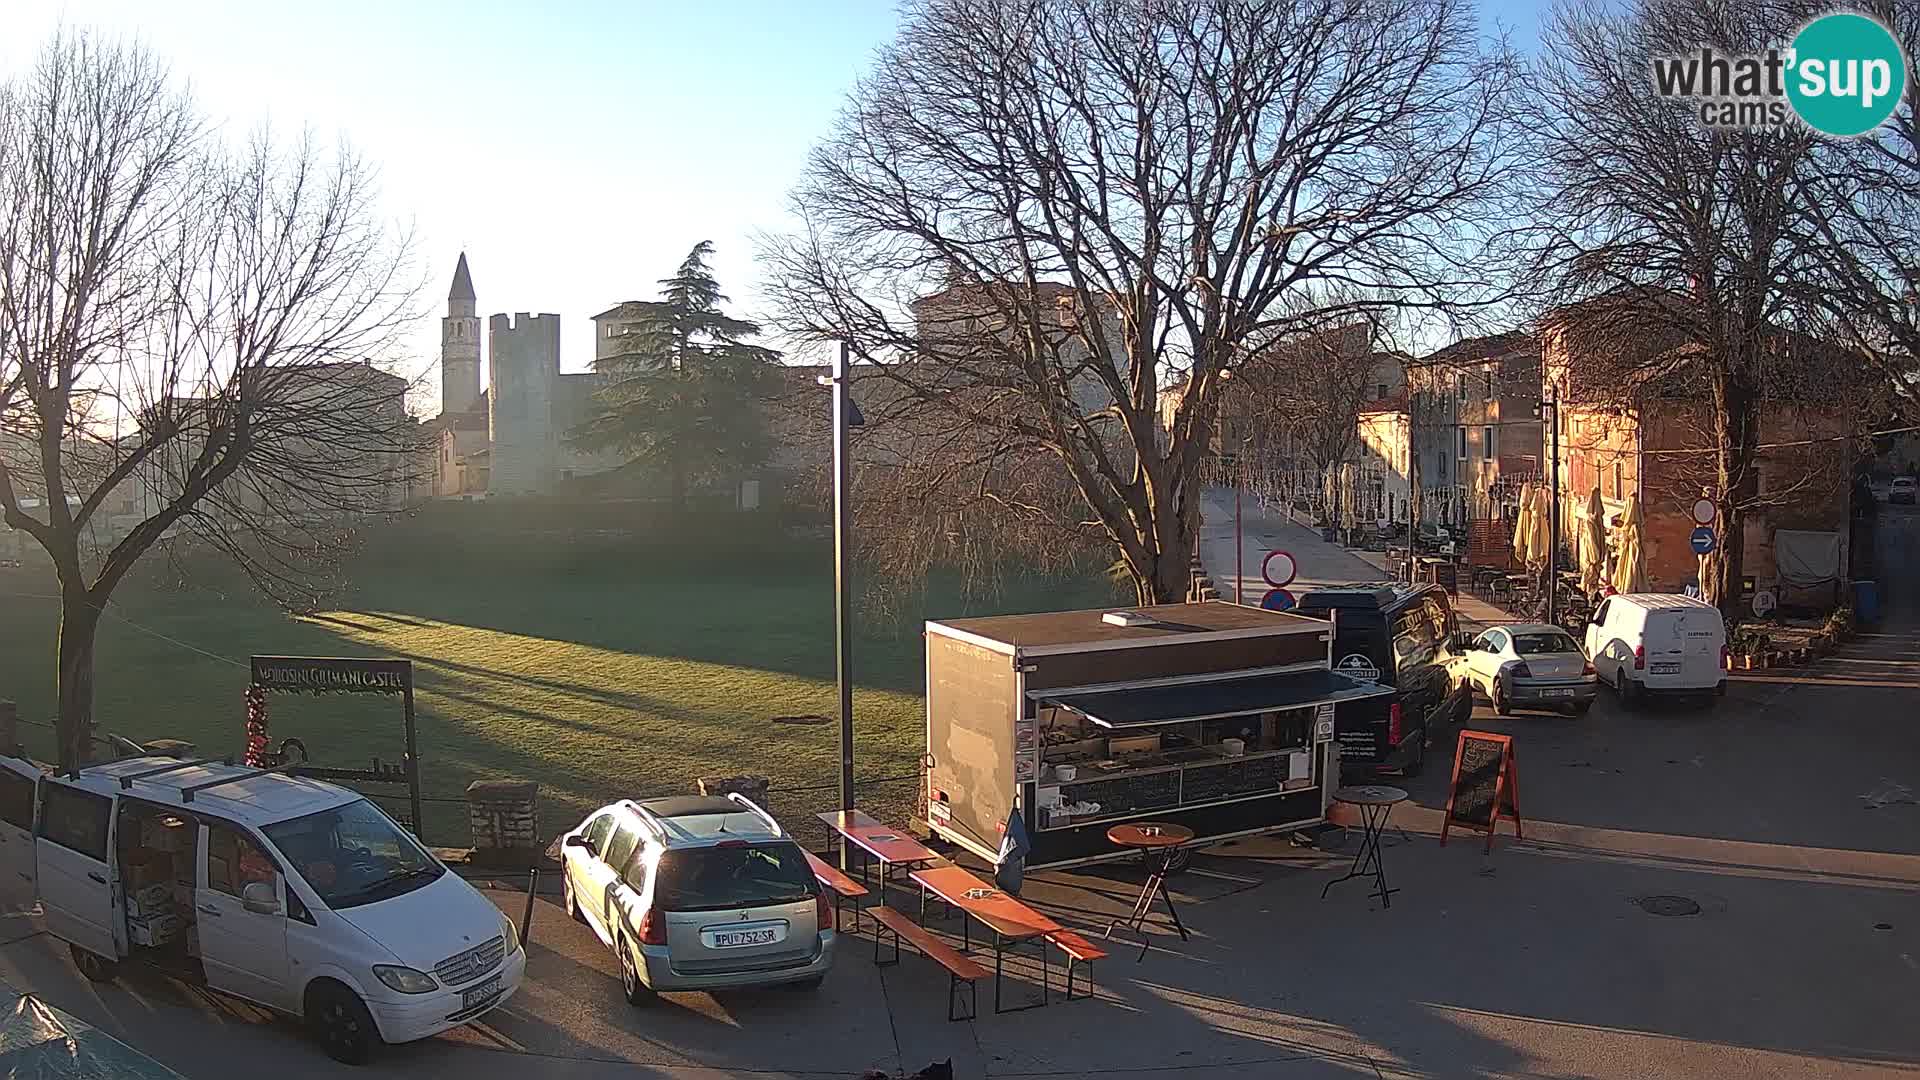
1806, 559
39, 1041
1219, 697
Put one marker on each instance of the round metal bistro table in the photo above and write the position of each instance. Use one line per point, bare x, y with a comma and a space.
1160, 842
1375, 802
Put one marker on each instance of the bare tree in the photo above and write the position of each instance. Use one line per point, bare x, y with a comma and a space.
1060, 207
1310, 388
1863, 204
1673, 247
183, 330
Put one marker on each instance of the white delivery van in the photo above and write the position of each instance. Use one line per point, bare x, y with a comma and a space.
1653, 643
294, 894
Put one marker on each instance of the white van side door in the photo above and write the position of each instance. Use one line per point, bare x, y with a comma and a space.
244, 951
19, 791
72, 854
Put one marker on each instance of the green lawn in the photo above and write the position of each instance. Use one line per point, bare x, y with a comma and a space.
598, 682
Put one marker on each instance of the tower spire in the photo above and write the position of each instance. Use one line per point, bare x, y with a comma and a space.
462, 281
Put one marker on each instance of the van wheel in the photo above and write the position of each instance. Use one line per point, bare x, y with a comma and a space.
95, 967
636, 991
343, 1025
1626, 688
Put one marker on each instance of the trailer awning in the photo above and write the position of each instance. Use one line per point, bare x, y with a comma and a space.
1212, 699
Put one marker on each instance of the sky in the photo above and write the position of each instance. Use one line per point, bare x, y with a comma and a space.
576, 150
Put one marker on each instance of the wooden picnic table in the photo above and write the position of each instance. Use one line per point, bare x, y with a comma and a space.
1011, 921
880, 841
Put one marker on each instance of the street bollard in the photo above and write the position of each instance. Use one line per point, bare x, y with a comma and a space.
526, 922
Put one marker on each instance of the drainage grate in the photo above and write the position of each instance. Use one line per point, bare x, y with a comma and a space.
1668, 905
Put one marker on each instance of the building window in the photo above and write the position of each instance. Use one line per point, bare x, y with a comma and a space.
1380, 391
1460, 385
1489, 384
1462, 434
1486, 444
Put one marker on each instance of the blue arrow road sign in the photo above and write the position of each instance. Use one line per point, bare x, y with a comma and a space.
1702, 540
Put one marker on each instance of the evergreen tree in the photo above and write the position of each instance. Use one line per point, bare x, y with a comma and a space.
685, 393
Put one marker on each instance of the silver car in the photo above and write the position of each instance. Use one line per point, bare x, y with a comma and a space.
1531, 665
698, 893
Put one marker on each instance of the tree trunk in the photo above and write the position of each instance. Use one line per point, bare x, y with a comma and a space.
1162, 574
1737, 423
73, 659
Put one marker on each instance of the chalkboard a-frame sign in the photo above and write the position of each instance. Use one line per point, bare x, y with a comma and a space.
1486, 784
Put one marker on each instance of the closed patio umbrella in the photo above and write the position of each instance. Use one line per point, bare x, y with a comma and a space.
1520, 525
1539, 534
1593, 545
1629, 571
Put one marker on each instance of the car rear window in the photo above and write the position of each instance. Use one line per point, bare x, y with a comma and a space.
734, 875
1540, 644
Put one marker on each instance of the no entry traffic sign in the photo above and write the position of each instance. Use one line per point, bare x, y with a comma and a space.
1278, 569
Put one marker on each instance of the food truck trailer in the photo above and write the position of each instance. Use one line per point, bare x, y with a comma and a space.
1216, 716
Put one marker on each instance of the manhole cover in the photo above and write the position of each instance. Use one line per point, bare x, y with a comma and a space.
1668, 905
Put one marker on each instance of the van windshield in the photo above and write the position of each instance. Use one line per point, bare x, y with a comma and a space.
353, 855
733, 875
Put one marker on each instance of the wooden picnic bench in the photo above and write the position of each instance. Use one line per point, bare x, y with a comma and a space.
844, 888
1079, 951
960, 970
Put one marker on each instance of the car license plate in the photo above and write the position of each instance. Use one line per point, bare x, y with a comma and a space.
736, 939
1666, 669
481, 994
1556, 693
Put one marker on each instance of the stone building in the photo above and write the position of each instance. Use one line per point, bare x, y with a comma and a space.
510, 438
1476, 425
1655, 443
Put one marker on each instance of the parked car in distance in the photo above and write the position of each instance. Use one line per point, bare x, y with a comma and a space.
1657, 643
1530, 665
697, 893
1403, 636
1903, 490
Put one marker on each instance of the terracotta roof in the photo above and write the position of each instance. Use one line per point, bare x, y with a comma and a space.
1469, 350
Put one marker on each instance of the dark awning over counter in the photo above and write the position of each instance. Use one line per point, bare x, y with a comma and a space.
1212, 699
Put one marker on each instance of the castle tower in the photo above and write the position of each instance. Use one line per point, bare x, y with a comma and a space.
524, 353
460, 346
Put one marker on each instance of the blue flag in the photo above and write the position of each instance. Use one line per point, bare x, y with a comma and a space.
1011, 870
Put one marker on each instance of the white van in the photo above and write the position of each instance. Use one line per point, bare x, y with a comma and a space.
1651, 643
292, 893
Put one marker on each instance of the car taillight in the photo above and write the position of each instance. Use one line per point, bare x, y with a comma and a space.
653, 929
1639, 657
1586, 668
1394, 722
1521, 671
822, 913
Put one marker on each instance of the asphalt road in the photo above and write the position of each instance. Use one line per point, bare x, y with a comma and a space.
1786, 813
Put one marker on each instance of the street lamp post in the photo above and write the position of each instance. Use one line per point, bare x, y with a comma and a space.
1553, 507
845, 415
842, 579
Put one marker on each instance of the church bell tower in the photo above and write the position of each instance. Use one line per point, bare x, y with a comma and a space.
460, 346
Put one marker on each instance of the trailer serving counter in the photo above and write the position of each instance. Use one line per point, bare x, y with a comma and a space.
1215, 716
